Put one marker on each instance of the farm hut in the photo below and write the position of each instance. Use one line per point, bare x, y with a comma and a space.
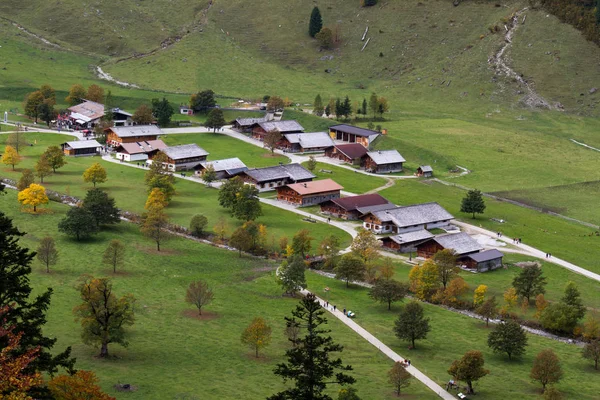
81, 148
384, 161
260, 129
352, 153
353, 134
400, 220
461, 243
484, 261
309, 193
225, 169
352, 207
425, 171
246, 124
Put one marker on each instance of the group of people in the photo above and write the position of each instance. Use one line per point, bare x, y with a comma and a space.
516, 240
548, 255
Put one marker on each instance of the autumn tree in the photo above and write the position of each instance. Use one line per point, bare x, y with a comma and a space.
199, 294
365, 245
473, 203
591, 327
272, 138
329, 249
158, 176
316, 22
291, 275
257, 335
325, 38
445, 261
302, 242
157, 200
424, 280
221, 228
275, 103
49, 93
241, 240
508, 337
155, 225
95, 174
78, 222
32, 104
546, 368
47, 253
215, 119
81, 385
143, 115
399, 377
348, 393
510, 298
488, 310
76, 95
114, 255
11, 157
101, 206
198, 225
350, 268
479, 295
34, 196
103, 316
469, 369
591, 351
42, 168
455, 290
95, 93
55, 157
388, 291
25, 180
540, 304
530, 282
310, 364
209, 175
553, 393
411, 324
17, 139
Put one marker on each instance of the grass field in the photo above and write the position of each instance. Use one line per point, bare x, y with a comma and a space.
452, 335
173, 355
350, 180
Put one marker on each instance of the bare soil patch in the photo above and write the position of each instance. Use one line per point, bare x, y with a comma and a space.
206, 315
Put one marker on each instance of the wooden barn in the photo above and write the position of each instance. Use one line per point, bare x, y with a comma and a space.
406, 242
485, 261
461, 243
352, 207
246, 124
121, 117
81, 148
130, 134
305, 142
184, 157
139, 151
260, 130
224, 169
384, 161
425, 171
309, 193
269, 178
353, 134
352, 153
400, 220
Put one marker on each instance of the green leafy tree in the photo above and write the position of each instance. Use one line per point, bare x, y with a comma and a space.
55, 157
275, 103
42, 167
49, 94
530, 282
215, 119
27, 312
199, 294
445, 261
388, 291
158, 176
591, 351
302, 242
102, 207
348, 393
310, 365
469, 369
350, 268
509, 338
32, 104
203, 100
346, 107
272, 138
114, 255
411, 324
95, 174
47, 253
399, 377
325, 38
229, 191
311, 164
257, 335
163, 111
572, 298
546, 368
46, 112
318, 108
373, 104
25, 180
241, 239
291, 275
198, 225
364, 107
329, 249
316, 22
76, 95
473, 203
103, 316
488, 310
109, 106
155, 225
559, 317
209, 175
247, 207
78, 222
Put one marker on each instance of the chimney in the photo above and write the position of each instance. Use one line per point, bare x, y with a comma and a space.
305, 185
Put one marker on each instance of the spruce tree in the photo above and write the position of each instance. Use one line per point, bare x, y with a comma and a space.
27, 314
473, 203
101, 207
318, 106
316, 22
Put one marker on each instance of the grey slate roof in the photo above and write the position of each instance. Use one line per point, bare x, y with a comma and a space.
380, 207
411, 237
118, 110
426, 168
310, 140
486, 255
184, 151
281, 126
295, 172
250, 121
83, 144
460, 242
228, 164
136, 130
355, 130
382, 157
417, 214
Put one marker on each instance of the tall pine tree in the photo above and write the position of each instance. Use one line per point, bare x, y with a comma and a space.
473, 203
316, 22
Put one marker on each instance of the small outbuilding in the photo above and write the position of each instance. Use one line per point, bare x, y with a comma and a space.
352, 153
484, 261
224, 169
81, 148
425, 171
139, 151
384, 161
309, 193
353, 134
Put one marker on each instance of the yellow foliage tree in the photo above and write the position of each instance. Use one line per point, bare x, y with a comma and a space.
11, 157
540, 304
289, 251
95, 93
479, 295
591, 327
424, 280
95, 174
157, 200
221, 228
257, 335
34, 195
510, 298
456, 288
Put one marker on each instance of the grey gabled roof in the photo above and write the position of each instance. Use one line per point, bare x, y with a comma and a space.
118, 110
426, 168
250, 121
460, 242
83, 144
184, 151
487, 255
228, 164
382, 157
355, 130
417, 214
281, 126
136, 130
411, 237
310, 140
380, 207
295, 172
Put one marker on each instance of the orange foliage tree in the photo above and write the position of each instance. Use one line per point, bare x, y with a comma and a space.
82, 385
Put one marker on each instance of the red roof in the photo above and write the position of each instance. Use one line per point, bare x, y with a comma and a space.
352, 150
351, 203
324, 185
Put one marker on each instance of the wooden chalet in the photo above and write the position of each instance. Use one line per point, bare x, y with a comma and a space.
353, 207
485, 261
384, 161
462, 244
353, 134
224, 169
81, 148
406, 242
139, 151
400, 220
86, 114
260, 129
121, 117
425, 171
246, 124
184, 157
131, 134
352, 153
269, 178
309, 193
305, 142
